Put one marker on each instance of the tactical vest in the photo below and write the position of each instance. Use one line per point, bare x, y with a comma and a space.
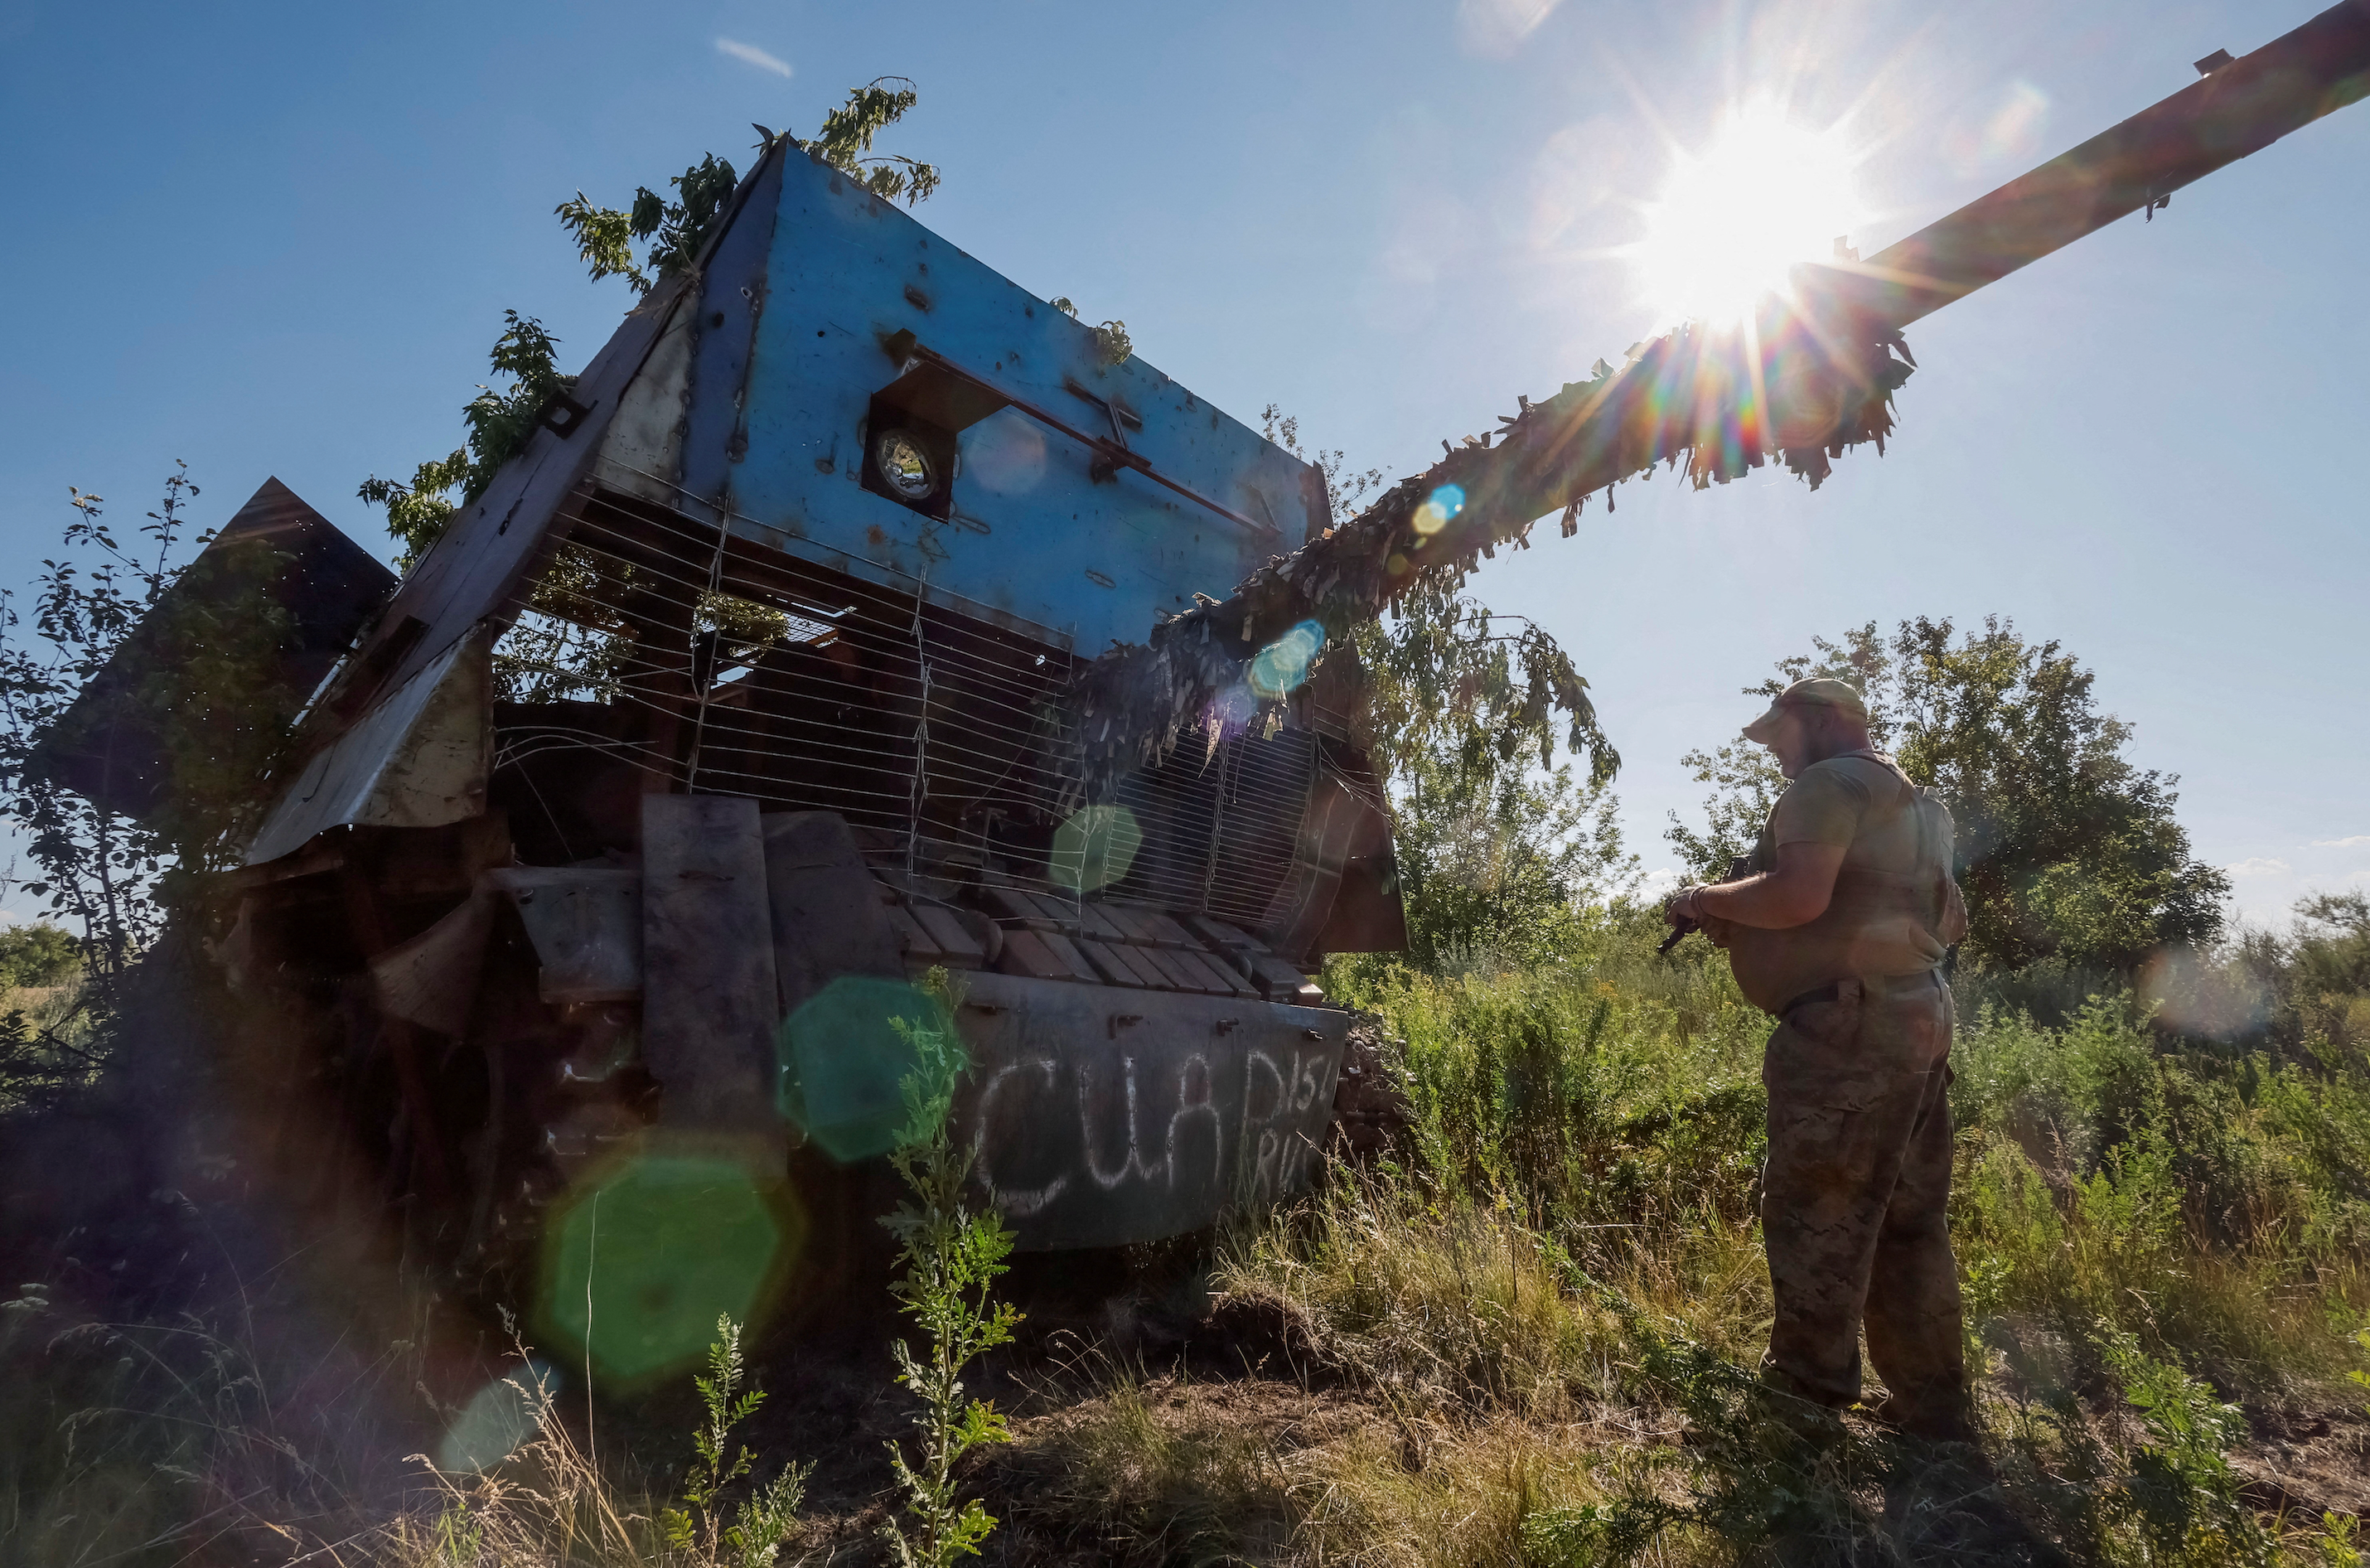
1928, 892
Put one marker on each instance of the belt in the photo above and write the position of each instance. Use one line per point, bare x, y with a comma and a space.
1834, 989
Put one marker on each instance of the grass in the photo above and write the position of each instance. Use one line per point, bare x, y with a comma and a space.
1549, 1311
1529, 1338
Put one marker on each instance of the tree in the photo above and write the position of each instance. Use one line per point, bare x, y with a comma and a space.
2319, 974
1498, 844
2066, 849
37, 955
499, 422
1495, 863
204, 694
671, 231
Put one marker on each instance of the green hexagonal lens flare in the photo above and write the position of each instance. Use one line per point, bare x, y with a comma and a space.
844, 1063
649, 1252
1094, 847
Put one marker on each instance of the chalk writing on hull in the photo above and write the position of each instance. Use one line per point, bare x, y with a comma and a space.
1087, 1140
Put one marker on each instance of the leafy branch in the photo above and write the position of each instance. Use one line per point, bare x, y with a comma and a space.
499, 422
671, 231
759, 1522
950, 1257
673, 228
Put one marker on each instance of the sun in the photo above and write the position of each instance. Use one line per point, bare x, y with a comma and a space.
1765, 194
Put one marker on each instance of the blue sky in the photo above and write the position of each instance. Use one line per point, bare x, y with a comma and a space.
277, 239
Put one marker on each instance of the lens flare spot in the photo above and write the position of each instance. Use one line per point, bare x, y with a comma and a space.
1437, 509
650, 1250
1281, 667
1735, 218
1094, 848
845, 1060
498, 1419
1005, 453
1234, 708
2011, 135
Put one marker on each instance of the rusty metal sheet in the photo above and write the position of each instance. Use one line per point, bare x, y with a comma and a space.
585, 924
431, 980
1106, 1116
1345, 825
420, 759
477, 570
731, 299
478, 566
327, 584
709, 988
642, 451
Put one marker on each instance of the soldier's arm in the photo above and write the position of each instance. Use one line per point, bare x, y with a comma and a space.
1794, 893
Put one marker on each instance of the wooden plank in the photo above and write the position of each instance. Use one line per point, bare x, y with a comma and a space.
479, 565
917, 944
1095, 923
961, 949
1065, 950
1228, 939
1025, 953
1114, 970
710, 996
827, 916
1016, 905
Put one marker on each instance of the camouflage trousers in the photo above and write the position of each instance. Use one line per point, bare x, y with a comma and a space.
1854, 1198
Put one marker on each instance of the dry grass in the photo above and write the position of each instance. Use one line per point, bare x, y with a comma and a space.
1453, 1303
1168, 1469
1529, 1347
547, 1506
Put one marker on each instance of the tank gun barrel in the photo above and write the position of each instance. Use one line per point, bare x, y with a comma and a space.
2239, 106
1801, 382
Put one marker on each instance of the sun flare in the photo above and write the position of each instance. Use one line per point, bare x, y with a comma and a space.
1765, 194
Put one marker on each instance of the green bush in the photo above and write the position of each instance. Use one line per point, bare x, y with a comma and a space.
38, 955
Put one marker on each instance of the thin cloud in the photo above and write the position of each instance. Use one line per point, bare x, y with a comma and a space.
2260, 866
2359, 841
1496, 29
752, 55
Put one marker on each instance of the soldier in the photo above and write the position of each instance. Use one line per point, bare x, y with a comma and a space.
1838, 927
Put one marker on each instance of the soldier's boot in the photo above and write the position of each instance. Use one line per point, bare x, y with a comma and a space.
1934, 1416
1792, 1423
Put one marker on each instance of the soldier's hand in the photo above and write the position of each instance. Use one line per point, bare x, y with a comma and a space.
1681, 908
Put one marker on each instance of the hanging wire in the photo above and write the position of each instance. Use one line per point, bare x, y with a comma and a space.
947, 741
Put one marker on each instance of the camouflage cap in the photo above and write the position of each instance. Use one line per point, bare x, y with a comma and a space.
1819, 691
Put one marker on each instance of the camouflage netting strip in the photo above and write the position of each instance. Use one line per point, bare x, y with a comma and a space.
1810, 395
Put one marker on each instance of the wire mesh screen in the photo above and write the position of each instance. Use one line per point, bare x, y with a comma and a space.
657, 653
1219, 826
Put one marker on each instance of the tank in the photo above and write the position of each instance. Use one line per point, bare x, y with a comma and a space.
863, 645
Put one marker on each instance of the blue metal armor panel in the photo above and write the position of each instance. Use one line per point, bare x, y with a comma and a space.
1077, 551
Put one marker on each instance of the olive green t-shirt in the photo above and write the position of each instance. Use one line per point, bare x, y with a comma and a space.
1873, 926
